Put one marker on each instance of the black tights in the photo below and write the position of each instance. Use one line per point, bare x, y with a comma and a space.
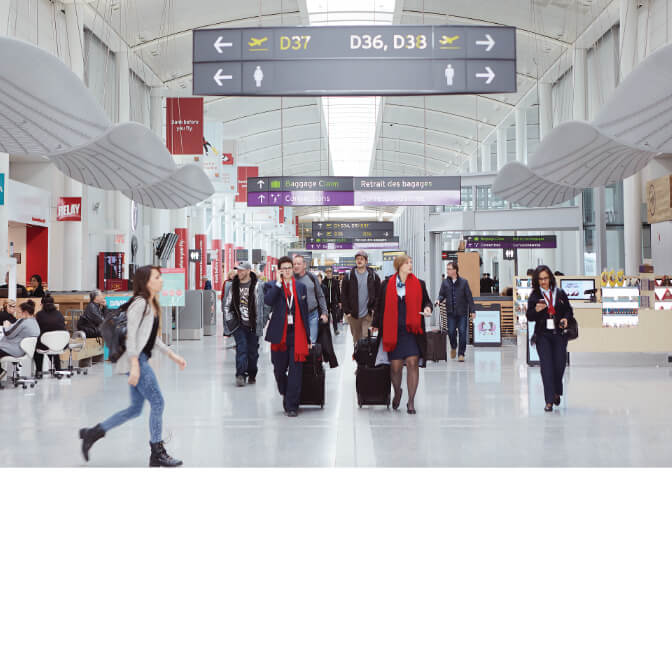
412, 378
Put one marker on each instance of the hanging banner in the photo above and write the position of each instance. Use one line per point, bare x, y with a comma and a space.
181, 254
184, 125
202, 265
217, 265
244, 173
228, 259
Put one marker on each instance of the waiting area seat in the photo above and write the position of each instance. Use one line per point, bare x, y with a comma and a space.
55, 345
28, 346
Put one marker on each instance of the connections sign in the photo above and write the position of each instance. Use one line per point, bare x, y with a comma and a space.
352, 60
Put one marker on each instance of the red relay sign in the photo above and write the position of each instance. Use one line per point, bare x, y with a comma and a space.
69, 209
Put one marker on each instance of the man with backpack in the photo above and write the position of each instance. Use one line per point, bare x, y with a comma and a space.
245, 316
317, 306
359, 293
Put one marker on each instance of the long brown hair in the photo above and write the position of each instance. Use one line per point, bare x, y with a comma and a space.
140, 281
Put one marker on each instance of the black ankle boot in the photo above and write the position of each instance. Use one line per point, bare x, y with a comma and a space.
89, 436
160, 458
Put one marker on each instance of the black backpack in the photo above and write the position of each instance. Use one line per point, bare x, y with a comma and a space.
113, 330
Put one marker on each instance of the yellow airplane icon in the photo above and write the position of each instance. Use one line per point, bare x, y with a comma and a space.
255, 44
447, 42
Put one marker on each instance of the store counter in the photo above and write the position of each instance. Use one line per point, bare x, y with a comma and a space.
653, 333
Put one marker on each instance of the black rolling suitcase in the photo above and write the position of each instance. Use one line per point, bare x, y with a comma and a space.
366, 350
312, 381
437, 349
373, 385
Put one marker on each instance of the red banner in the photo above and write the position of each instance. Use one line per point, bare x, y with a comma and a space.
217, 265
202, 265
184, 125
296, 222
243, 173
281, 215
69, 209
182, 254
229, 260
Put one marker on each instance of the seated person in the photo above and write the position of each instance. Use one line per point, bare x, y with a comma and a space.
49, 319
36, 288
8, 312
26, 326
93, 315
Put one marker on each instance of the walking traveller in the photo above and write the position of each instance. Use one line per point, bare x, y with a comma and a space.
287, 333
359, 294
455, 291
549, 308
245, 316
332, 295
143, 335
401, 327
317, 306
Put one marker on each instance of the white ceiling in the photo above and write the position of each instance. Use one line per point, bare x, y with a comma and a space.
289, 134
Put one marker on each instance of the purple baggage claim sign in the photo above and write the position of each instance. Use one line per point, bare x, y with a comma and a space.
363, 191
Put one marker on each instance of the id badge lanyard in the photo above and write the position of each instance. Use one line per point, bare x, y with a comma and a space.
550, 322
290, 303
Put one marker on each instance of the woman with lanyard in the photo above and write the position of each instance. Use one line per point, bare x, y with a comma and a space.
549, 308
402, 304
287, 333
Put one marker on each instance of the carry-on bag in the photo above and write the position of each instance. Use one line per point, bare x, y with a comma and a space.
366, 350
313, 379
373, 385
437, 349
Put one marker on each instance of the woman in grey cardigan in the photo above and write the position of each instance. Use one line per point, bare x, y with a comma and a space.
142, 336
25, 327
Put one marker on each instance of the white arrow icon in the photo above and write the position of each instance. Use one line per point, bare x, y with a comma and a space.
219, 45
219, 77
489, 43
261, 183
489, 74
262, 198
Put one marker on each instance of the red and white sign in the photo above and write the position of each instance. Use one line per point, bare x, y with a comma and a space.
69, 209
217, 265
184, 125
243, 173
181, 253
227, 159
281, 215
202, 265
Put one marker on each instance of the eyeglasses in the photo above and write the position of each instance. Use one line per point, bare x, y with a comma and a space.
287, 268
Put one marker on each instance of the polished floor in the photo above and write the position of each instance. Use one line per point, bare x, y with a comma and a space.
487, 412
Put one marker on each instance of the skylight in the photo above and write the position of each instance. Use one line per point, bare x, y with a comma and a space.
351, 122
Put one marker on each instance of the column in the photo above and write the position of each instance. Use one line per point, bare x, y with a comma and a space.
159, 219
632, 190
473, 162
486, 158
4, 160
74, 253
580, 111
521, 135
545, 108
123, 204
502, 158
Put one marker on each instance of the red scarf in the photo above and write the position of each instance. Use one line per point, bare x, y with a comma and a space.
300, 340
413, 308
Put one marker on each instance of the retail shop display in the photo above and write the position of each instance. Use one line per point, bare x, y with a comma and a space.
620, 306
578, 290
46, 110
523, 289
663, 293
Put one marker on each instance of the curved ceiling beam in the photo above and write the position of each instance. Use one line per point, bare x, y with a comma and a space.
516, 183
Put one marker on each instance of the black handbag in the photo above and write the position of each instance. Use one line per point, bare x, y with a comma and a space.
571, 331
114, 329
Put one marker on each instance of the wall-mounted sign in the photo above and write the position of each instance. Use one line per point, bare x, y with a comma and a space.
245, 173
69, 209
364, 191
172, 292
659, 200
195, 256
354, 60
515, 242
184, 125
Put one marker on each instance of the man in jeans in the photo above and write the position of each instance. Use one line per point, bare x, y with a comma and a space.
245, 315
317, 306
359, 293
332, 294
455, 291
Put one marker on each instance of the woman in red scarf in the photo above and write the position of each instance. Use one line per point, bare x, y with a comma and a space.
399, 318
287, 333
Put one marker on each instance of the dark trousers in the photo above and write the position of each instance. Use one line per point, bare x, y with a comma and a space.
335, 316
247, 351
552, 349
288, 374
55, 359
458, 323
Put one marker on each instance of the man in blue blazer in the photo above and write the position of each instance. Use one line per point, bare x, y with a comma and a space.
287, 333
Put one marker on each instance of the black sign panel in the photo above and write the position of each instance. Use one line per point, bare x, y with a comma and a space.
195, 256
242, 255
354, 60
352, 230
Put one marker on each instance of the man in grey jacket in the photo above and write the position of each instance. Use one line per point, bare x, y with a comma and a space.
455, 291
317, 305
245, 316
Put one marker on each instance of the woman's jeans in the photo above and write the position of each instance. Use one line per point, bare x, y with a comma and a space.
147, 388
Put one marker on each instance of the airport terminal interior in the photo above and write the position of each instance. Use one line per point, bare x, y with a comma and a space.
474, 197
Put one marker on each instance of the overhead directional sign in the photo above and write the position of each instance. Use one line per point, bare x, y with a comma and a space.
511, 242
353, 244
364, 191
352, 230
354, 60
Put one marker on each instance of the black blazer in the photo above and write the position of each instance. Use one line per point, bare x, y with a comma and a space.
52, 320
563, 309
379, 316
274, 297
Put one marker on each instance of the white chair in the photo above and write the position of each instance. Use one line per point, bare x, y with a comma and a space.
56, 344
28, 346
77, 343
